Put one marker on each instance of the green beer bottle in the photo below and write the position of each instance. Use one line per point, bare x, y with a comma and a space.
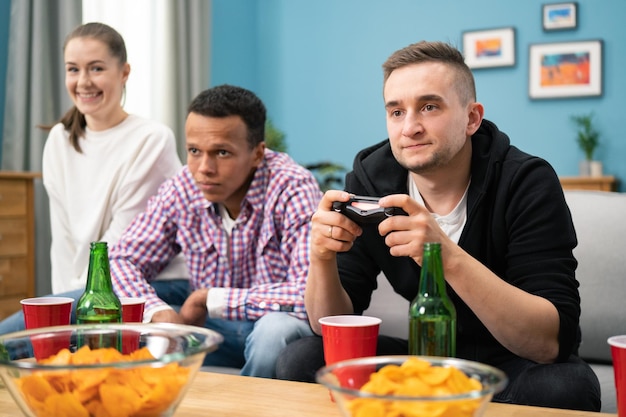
99, 304
432, 316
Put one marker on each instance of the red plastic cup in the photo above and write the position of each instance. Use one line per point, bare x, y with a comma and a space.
132, 309
132, 312
349, 337
618, 352
45, 312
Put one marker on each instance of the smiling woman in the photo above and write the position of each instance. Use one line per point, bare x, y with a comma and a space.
100, 164
96, 72
99, 161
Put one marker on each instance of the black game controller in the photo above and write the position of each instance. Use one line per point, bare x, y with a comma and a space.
361, 209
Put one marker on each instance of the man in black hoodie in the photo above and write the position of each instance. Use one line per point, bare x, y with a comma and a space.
501, 218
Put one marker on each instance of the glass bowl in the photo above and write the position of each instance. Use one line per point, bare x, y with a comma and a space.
345, 380
68, 371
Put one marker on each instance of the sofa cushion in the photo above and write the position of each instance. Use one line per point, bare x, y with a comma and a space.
600, 222
391, 308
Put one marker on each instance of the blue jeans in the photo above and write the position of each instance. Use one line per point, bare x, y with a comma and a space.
172, 291
255, 346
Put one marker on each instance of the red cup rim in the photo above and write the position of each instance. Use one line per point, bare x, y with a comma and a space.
132, 300
617, 341
46, 301
349, 321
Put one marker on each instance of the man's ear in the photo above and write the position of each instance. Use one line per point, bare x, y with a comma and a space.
475, 118
259, 152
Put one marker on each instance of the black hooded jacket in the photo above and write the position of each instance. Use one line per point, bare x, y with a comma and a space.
518, 225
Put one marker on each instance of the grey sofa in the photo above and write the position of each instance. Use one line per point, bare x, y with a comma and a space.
600, 222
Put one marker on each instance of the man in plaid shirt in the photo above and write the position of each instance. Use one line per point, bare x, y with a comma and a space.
240, 214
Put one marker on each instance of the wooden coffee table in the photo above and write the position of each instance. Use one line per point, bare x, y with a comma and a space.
238, 396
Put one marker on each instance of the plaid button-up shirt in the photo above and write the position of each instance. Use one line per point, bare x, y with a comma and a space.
262, 267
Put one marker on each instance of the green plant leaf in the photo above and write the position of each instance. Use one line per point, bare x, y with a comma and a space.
329, 175
587, 135
274, 137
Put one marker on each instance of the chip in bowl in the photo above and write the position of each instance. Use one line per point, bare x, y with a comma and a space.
411, 386
150, 381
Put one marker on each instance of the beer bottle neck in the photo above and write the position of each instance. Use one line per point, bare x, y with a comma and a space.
99, 274
432, 282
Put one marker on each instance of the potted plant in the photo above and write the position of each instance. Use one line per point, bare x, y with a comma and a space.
587, 138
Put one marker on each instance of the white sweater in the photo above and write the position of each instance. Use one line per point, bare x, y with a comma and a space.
94, 195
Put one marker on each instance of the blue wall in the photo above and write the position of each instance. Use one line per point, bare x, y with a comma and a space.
235, 46
317, 66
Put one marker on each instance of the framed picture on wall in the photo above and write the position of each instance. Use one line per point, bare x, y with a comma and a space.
489, 48
560, 16
566, 69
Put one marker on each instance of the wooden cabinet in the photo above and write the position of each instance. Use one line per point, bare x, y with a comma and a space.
607, 183
17, 240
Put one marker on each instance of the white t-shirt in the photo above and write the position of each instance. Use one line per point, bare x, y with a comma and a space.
216, 300
452, 223
94, 195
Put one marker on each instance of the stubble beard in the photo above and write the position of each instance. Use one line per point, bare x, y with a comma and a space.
434, 161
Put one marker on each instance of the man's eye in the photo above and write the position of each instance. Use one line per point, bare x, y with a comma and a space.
430, 107
396, 113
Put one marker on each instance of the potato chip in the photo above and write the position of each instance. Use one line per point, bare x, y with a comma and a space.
417, 378
37, 385
413, 386
64, 404
105, 392
414, 366
435, 375
366, 408
119, 400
